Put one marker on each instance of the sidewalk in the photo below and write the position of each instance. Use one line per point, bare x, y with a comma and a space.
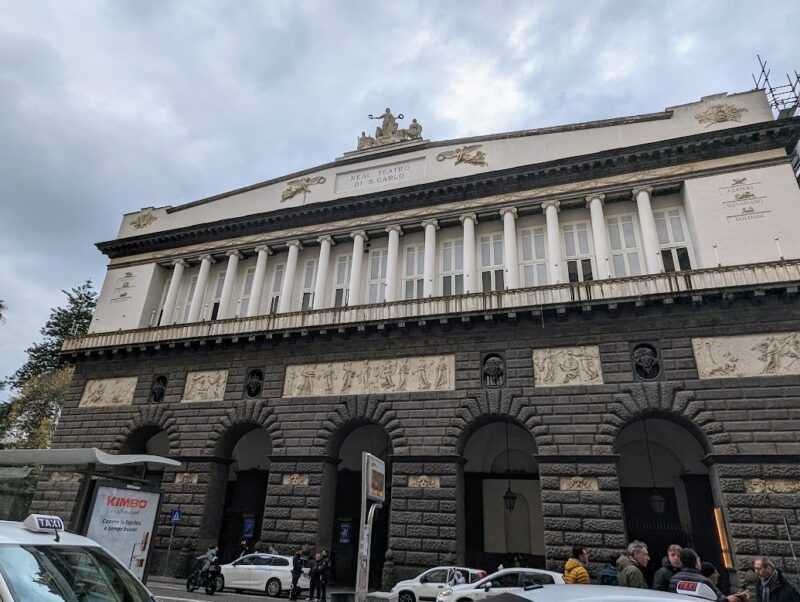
163, 580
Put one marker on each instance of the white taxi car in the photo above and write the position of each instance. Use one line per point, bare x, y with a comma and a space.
503, 581
426, 586
40, 562
268, 573
690, 592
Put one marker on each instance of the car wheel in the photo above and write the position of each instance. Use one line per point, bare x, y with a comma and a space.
406, 596
273, 587
220, 583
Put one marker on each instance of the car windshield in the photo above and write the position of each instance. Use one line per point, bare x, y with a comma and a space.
37, 573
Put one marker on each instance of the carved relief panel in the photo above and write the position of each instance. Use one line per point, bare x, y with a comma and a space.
108, 392
208, 385
401, 375
562, 366
748, 355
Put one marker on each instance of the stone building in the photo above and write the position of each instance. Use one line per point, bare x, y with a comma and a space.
596, 324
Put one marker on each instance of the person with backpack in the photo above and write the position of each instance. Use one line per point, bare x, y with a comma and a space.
608, 574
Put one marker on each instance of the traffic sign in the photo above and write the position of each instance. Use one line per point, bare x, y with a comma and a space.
175, 516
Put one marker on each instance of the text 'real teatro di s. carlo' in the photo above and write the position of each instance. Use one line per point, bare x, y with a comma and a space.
577, 335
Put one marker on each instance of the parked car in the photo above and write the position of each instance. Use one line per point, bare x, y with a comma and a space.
690, 592
269, 573
503, 581
426, 586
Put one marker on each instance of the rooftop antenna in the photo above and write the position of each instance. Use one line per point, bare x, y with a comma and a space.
784, 98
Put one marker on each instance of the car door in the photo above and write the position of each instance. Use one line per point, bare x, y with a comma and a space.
259, 572
238, 573
431, 583
502, 584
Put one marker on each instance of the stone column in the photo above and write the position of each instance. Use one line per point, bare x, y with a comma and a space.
469, 220
231, 271
200, 288
393, 262
258, 280
650, 244
511, 256
553, 240
323, 266
287, 287
599, 233
431, 226
167, 316
359, 237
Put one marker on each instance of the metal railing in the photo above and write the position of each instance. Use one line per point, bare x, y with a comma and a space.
599, 291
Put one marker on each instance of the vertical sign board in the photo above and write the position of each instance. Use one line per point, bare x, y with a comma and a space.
373, 488
123, 521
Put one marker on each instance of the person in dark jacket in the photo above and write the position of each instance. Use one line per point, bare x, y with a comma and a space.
324, 574
313, 577
773, 586
690, 571
297, 570
630, 566
670, 565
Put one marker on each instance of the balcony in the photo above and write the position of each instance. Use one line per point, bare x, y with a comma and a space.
779, 274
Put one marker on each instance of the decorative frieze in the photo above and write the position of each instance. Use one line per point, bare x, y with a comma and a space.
143, 219
720, 113
469, 154
772, 485
422, 481
208, 385
295, 479
748, 355
578, 484
186, 478
65, 477
108, 392
401, 375
561, 366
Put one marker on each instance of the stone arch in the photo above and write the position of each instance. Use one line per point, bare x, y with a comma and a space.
665, 400
150, 418
482, 407
358, 412
238, 420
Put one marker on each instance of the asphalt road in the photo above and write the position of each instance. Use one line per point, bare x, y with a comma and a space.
176, 593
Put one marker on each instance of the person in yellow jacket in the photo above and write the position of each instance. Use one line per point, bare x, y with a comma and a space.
575, 567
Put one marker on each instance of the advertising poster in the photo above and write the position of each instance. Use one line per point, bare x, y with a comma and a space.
123, 522
376, 478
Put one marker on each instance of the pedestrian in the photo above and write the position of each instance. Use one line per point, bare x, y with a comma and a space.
313, 577
324, 575
670, 565
709, 570
297, 570
243, 548
630, 566
608, 574
458, 578
690, 571
773, 586
575, 567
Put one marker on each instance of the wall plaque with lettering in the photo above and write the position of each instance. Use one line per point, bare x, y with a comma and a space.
390, 174
744, 201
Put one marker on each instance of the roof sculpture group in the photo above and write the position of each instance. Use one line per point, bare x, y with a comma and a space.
388, 132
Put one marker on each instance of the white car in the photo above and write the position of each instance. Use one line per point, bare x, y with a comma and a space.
690, 592
40, 561
426, 586
269, 573
501, 582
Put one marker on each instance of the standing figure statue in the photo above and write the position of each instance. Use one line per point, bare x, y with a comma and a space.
386, 133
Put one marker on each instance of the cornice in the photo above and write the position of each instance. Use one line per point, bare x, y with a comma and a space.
751, 138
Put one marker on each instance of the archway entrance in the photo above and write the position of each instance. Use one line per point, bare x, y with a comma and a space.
370, 438
245, 489
666, 490
146, 440
494, 534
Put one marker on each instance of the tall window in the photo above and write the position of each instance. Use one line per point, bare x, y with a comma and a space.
277, 283
623, 247
217, 295
309, 275
534, 256
188, 301
671, 236
453, 267
160, 311
413, 272
577, 252
492, 263
247, 291
376, 282
342, 286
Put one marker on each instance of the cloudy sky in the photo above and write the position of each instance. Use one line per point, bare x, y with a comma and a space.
107, 107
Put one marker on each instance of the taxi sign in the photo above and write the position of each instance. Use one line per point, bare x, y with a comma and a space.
687, 586
43, 523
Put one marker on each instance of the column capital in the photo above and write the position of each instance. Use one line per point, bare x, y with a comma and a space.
233, 252
512, 210
467, 216
294, 243
648, 189
599, 196
182, 262
207, 257
430, 222
264, 248
395, 228
556, 204
360, 233
326, 237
